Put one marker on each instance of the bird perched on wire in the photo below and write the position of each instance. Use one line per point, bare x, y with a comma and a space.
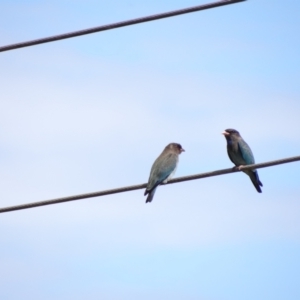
240, 154
163, 168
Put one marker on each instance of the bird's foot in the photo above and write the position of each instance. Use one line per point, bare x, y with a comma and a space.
238, 167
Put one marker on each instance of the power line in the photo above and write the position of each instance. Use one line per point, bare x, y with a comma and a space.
142, 186
118, 25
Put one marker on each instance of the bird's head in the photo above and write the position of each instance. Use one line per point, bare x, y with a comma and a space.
175, 147
231, 134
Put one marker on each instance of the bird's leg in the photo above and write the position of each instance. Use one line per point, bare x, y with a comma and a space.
238, 167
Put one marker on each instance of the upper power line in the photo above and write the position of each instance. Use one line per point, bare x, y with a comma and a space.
117, 25
142, 186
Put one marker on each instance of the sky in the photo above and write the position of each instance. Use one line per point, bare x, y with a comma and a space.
93, 113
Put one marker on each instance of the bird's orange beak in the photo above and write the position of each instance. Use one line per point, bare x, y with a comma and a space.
225, 133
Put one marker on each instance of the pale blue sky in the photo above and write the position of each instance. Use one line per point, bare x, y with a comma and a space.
93, 112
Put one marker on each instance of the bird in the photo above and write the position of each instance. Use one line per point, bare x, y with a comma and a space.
240, 154
163, 168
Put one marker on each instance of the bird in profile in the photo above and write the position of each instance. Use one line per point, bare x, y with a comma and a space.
163, 168
240, 154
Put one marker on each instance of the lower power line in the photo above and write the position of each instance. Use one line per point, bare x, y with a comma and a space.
142, 186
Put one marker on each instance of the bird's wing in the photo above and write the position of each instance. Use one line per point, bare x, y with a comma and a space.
246, 152
161, 169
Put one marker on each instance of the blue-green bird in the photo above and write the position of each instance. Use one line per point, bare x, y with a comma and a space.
163, 168
240, 154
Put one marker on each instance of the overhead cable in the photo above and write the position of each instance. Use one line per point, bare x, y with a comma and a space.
118, 25
142, 186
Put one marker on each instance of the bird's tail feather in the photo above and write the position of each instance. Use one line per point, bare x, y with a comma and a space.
150, 195
255, 180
